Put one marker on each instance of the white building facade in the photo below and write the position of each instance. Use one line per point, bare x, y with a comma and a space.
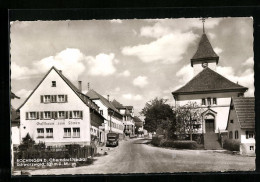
57, 113
113, 119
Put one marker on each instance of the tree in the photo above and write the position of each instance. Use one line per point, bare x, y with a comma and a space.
158, 114
188, 116
27, 143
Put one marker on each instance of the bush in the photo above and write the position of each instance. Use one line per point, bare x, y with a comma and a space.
231, 145
181, 144
157, 140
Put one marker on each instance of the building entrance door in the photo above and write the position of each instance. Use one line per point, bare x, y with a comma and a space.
209, 124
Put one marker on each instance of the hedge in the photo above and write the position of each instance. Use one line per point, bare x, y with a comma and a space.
180, 144
231, 145
159, 141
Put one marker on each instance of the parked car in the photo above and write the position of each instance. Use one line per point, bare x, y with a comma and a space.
112, 139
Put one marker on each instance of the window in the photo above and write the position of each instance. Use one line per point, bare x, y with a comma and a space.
101, 112
77, 114
249, 134
47, 115
231, 121
49, 132
203, 102
76, 132
32, 115
251, 147
47, 98
236, 134
61, 98
215, 101
40, 133
67, 132
230, 135
209, 101
53, 83
61, 114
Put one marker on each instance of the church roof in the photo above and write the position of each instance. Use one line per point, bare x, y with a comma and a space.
245, 110
205, 50
208, 81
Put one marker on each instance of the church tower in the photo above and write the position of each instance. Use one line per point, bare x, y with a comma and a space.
205, 56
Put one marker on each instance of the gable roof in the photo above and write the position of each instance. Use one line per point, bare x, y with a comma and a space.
208, 80
118, 105
83, 97
245, 111
205, 50
92, 94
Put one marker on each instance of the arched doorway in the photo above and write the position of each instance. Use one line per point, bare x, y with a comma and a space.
209, 123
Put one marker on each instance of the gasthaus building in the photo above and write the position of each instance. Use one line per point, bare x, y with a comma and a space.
211, 91
57, 113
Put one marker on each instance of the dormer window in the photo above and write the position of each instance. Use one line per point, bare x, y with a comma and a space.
53, 83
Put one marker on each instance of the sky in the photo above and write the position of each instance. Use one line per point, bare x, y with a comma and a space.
133, 61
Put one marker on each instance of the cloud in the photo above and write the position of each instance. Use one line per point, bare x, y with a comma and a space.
116, 21
20, 72
249, 62
23, 93
245, 79
102, 64
168, 48
117, 89
218, 50
185, 74
125, 73
132, 97
166, 26
72, 62
68, 60
140, 81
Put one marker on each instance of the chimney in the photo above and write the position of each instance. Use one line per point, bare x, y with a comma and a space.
108, 97
88, 85
80, 86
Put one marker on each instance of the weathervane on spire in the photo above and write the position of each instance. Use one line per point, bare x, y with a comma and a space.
203, 21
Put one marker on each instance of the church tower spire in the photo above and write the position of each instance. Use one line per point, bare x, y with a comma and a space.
205, 56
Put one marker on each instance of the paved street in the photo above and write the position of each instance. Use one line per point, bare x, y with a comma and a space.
134, 156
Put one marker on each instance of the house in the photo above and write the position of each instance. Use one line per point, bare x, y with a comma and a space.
15, 127
211, 91
241, 123
113, 118
58, 113
139, 125
128, 117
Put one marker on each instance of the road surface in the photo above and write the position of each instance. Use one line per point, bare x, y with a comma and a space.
135, 156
